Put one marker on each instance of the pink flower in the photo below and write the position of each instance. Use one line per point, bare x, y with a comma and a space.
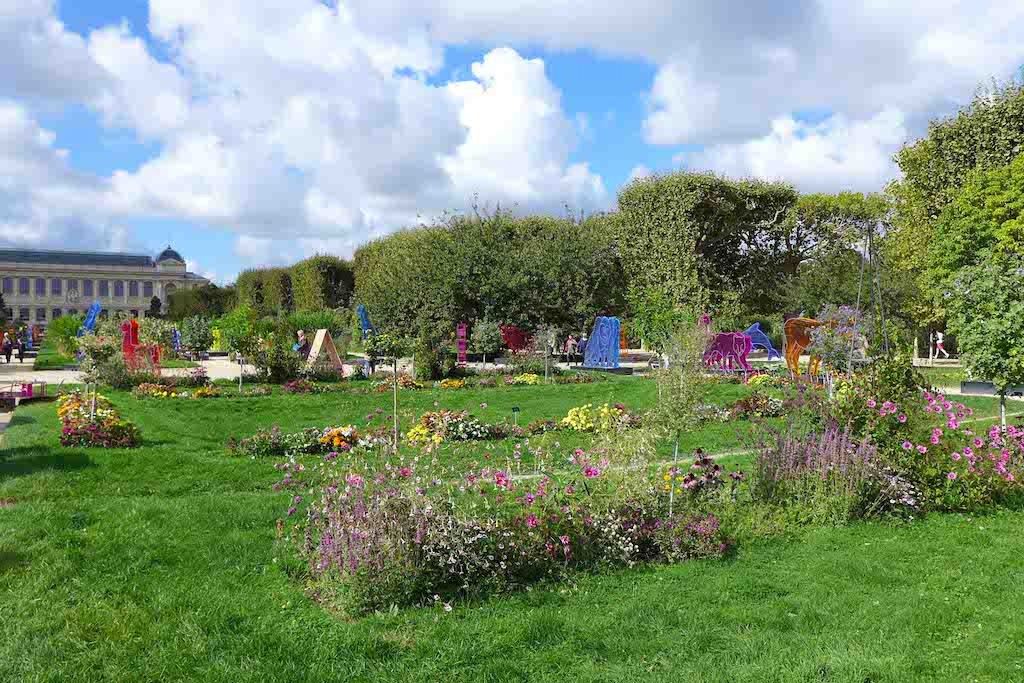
907, 445
951, 476
531, 520
902, 417
922, 449
590, 472
935, 439
955, 456
871, 403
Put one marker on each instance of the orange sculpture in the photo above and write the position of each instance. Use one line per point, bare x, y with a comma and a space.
798, 338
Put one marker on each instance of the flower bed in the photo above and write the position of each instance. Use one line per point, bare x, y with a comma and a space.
606, 418
275, 443
398, 534
153, 390
438, 426
106, 430
757, 404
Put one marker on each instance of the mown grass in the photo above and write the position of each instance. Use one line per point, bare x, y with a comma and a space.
157, 564
49, 357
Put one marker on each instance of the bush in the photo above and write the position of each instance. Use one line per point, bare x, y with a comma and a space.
321, 283
196, 334
757, 404
275, 443
64, 331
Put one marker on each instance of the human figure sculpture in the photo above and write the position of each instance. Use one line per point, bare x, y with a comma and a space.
798, 338
602, 348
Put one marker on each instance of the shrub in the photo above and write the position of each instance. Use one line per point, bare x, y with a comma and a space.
275, 443
606, 418
526, 379
196, 334
322, 282
757, 404
63, 332
107, 429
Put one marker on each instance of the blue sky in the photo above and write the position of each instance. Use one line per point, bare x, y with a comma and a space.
272, 129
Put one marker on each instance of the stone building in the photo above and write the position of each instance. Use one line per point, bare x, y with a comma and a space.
40, 285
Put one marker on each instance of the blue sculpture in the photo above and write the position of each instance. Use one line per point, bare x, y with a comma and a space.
603, 345
176, 339
761, 339
90, 319
364, 318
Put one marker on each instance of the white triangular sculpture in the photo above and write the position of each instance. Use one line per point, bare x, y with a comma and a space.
323, 342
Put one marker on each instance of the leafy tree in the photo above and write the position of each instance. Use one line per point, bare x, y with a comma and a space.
64, 332
985, 134
486, 338
196, 334
654, 317
156, 307
986, 314
321, 282
985, 217
238, 331
385, 346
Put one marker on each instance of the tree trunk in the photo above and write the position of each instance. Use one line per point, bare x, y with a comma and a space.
1002, 408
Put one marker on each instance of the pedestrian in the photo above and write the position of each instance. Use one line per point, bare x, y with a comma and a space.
581, 347
7, 348
21, 350
570, 348
302, 347
940, 340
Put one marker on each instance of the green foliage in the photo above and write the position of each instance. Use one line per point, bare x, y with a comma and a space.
494, 266
384, 345
985, 311
238, 330
337, 322
985, 217
322, 282
209, 300
654, 316
486, 338
156, 331
695, 235
268, 291
196, 334
156, 307
63, 332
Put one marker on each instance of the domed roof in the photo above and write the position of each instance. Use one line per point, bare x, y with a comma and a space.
169, 254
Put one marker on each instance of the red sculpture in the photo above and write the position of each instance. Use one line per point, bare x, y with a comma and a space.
729, 351
138, 356
515, 339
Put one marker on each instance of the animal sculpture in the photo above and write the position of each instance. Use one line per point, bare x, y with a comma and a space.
798, 338
761, 339
137, 355
729, 351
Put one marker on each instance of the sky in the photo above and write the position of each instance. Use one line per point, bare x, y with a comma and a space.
257, 132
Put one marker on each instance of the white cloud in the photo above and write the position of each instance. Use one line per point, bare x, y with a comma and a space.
639, 171
833, 155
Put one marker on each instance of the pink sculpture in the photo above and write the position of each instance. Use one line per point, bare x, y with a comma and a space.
729, 351
138, 356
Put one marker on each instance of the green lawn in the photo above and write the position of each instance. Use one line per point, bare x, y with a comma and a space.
156, 564
50, 358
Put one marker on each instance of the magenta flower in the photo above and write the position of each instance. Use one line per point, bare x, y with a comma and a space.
871, 403
907, 445
951, 476
590, 472
922, 449
902, 417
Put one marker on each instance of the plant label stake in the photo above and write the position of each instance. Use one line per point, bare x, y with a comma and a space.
515, 415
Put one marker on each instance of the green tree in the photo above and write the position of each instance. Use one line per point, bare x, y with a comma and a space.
486, 338
389, 347
985, 312
196, 335
208, 300
156, 307
984, 218
655, 317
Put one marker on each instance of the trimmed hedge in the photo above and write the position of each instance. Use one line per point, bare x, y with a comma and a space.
322, 282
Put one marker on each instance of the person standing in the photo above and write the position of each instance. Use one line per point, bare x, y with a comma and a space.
581, 348
570, 348
21, 350
940, 341
7, 348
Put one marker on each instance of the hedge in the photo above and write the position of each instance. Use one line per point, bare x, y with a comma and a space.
322, 282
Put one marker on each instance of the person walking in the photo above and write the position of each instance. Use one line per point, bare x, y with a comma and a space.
570, 348
581, 348
21, 350
7, 348
940, 341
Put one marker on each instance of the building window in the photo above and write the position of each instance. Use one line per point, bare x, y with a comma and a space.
104, 289
8, 285
87, 288
40, 315
22, 314
55, 314
118, 289
147, 290
72, 286
23, 286
133, 289
55, 286
40, 286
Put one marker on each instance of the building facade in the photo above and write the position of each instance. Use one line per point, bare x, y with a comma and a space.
40, 285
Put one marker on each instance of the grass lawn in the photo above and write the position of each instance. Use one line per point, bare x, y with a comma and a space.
156, 564
50, 358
